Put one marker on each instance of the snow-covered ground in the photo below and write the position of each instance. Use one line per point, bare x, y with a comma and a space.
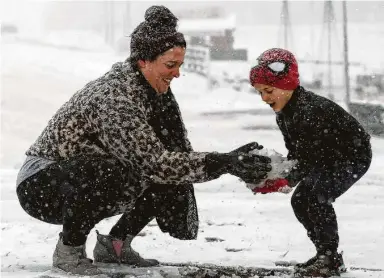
36, 80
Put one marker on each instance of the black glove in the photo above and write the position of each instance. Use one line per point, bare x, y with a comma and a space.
251, 168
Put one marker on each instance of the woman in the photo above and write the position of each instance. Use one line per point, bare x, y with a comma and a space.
119, 145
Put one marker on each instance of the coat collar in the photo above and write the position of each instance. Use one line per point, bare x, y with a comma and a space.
291, 106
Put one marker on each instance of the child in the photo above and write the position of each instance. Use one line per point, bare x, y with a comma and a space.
332, 149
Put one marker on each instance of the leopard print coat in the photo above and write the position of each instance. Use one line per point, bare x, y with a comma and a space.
117, 117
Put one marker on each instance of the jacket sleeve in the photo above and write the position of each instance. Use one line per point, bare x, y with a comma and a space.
299, 171
288, 145
127, 135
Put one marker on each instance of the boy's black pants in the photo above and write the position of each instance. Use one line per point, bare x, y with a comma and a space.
79, 193
313, 198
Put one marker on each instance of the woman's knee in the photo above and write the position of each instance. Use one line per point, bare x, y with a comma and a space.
22, 192
27, 199
34, 206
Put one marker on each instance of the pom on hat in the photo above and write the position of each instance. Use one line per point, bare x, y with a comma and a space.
276, 67
160, 16
155, 35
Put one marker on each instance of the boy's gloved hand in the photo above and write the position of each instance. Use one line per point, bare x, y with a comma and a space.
275, 185
251, 168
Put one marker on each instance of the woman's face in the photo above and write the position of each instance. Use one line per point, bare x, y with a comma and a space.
160, 72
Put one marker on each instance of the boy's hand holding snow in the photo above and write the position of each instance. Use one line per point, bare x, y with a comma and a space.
275, 185
276, 180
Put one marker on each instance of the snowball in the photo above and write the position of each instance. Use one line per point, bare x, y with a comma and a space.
281, 166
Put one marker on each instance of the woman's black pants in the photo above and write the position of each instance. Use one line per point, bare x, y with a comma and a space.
79, 193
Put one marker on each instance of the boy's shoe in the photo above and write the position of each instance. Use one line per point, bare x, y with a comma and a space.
111, 250
307, 263
323, 266
340, 263
338, 260
73, 259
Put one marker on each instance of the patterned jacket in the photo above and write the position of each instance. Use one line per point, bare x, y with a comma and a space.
119, 116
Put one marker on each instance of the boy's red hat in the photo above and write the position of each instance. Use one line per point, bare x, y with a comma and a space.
285, 77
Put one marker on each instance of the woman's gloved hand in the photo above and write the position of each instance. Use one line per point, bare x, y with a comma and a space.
251, 168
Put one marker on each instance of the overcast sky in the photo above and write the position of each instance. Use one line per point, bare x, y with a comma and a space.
264, 12
248, 12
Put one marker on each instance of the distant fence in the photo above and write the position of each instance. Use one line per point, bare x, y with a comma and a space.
370, 115
229, 55
202, 60
197, 60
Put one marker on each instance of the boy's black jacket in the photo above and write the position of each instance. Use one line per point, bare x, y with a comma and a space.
321, 135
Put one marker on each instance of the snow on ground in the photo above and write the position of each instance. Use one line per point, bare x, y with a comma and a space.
36, 80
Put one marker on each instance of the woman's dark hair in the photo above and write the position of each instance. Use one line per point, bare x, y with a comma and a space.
155, 35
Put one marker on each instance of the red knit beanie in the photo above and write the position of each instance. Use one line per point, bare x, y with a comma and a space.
276, 67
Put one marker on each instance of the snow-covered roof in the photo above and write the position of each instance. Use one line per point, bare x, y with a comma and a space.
208, 26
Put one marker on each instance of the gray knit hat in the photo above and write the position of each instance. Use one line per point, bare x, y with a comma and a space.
155, 35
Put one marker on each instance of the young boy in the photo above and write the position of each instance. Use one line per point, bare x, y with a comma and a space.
332, 149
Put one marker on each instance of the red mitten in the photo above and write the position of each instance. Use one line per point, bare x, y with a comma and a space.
275, 185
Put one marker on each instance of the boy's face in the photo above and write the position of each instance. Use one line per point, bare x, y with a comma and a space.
274, 97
